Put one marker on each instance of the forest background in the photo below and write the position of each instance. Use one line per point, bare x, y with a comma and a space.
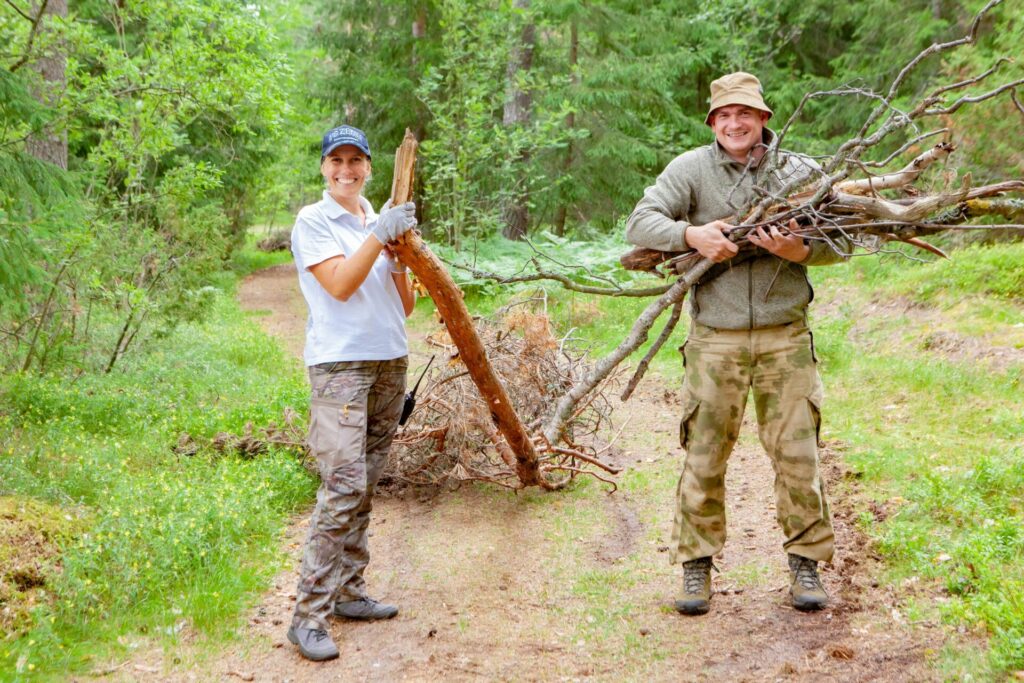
141, 140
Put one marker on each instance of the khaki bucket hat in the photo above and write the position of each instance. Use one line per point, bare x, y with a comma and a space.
736, 88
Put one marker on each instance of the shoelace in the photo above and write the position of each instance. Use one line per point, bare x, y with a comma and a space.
695, 577
807, 574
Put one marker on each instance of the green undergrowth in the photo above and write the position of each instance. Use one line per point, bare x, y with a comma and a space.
164, 540
591, 323
936, 435
249, 259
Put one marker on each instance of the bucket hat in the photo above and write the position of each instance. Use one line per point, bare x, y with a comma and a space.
736, 88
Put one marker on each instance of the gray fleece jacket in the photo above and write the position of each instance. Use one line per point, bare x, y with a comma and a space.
704, 185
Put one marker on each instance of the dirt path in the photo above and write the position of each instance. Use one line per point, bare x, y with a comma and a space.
577, 585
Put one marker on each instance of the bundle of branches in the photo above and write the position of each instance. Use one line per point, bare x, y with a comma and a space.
864, 212
832, 204
452, 437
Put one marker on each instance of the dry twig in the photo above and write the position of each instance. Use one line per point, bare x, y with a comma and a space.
451, 436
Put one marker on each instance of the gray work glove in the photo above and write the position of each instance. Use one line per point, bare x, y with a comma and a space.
394, 221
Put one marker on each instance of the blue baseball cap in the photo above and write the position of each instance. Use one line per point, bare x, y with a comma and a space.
344, 135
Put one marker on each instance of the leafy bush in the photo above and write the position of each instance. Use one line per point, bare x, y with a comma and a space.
170, 539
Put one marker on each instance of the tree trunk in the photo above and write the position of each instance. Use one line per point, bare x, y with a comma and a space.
570, 124
49, 145
518, 104
414, 252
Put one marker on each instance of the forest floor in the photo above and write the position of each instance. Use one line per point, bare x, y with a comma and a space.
575, 585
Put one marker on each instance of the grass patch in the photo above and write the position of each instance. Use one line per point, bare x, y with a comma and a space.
167, 540
991, 271
31, 535
249, 259
938, 440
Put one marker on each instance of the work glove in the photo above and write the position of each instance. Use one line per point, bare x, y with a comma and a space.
394, 221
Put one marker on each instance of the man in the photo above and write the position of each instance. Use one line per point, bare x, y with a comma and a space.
748, 332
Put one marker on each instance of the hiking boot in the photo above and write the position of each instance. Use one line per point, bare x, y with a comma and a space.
696, 587
314, 643
806, 590
364, 609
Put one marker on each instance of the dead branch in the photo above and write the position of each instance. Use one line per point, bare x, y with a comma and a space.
564, 280
1016, 102
429, 270
451, 437
641, 369
873, 207
840, 213
636, 337
901, 178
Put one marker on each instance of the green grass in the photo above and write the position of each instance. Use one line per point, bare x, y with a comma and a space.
249, 259
939, 438
994, 271
172, 540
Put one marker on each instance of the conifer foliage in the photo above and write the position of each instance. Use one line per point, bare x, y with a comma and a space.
616, 90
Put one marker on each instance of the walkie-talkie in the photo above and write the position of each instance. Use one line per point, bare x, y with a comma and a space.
410, 398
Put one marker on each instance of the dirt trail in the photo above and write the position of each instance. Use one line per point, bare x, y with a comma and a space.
577, 585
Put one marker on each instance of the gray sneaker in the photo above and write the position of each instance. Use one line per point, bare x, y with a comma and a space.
314, 643
806, 590
364, 609
696, 587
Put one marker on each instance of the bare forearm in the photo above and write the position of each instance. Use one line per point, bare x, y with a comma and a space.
405, 290
341, 276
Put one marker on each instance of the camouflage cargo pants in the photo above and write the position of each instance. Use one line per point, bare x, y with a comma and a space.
354, 414
722, 367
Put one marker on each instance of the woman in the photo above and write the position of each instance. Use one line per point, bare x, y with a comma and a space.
358, 297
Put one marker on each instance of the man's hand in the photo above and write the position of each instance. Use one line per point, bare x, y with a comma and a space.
781, 242
710, 241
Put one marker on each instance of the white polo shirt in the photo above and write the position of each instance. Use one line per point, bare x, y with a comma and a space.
371, 324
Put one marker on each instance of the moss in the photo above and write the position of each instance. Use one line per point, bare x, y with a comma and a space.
32, 534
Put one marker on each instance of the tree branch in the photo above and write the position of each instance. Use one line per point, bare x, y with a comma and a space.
18, 10
564, 280
31, 37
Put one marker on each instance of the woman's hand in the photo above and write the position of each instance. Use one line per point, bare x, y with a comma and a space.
394, 221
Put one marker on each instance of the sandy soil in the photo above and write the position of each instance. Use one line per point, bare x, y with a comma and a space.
575, 585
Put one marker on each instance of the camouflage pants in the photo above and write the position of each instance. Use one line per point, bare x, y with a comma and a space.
722, 367
354, 414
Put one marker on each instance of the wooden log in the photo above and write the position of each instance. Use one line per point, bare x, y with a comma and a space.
644, 259
415, 253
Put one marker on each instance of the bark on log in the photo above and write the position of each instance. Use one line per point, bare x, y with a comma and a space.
414, 253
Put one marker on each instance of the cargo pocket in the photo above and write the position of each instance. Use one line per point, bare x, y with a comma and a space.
690, 405
337, 432
815, 400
